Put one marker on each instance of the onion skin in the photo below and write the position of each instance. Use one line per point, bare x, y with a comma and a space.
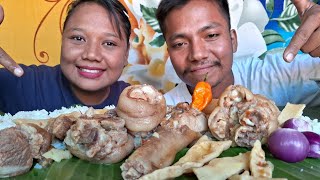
297, 124
288, 145
314, 140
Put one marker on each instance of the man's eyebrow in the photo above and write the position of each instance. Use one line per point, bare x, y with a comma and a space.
176, 36
209, 26
204, 28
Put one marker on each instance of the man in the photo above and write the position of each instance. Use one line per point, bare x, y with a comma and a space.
200, 43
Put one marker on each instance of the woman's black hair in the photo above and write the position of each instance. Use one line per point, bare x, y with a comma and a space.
166, 6
117, 12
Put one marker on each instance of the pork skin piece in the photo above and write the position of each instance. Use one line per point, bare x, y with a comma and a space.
157, 152
99, 139
243, 117
142, 107
15, 153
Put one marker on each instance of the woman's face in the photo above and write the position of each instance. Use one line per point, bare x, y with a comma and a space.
93, 54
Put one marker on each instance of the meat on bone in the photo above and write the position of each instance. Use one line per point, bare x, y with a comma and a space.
173, 134
243, 117
99, 138
20, 145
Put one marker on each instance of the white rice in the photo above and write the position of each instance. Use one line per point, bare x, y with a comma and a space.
64, 110
7, 119
37, 114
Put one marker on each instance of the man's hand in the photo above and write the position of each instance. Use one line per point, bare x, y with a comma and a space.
307, 36
5, 59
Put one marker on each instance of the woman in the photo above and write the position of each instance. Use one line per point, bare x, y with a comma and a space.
94, 51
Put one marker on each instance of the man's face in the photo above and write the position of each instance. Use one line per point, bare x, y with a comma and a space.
200, 42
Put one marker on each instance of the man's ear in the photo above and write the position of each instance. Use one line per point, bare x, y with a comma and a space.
234, 40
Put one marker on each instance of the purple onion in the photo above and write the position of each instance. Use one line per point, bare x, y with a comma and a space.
314, 141
297, 124
288, 145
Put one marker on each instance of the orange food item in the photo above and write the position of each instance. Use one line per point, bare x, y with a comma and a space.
202, 95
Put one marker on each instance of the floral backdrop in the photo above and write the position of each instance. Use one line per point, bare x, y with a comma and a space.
31, 34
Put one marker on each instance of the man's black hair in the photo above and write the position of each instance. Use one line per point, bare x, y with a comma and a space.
166, 6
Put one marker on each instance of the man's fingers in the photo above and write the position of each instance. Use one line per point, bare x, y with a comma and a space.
315, 53
312, 43
10, 64
300, 37
294, 46
302, 5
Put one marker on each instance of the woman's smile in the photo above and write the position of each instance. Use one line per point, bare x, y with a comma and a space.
90, 72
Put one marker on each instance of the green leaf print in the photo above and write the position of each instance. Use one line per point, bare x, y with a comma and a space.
270, 36
270, 6
158, 41
288, 19
149, 14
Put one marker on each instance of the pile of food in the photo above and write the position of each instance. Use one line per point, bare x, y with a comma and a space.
146, 134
